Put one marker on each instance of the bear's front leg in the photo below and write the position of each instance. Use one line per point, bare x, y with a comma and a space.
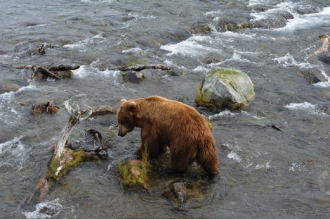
150, 140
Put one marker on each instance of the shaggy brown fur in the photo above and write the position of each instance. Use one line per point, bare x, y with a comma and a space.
170, 123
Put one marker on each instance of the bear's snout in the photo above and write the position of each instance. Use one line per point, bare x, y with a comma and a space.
121, 134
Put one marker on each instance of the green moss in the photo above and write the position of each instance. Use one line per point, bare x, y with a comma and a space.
78, 158
69, 74
131, 180
208, 123
124, 74
137, 61
203, 99
231, 76
193, 191
232, 4
245, 24
237, 106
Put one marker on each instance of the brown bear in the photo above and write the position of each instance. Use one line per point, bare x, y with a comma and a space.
165, 122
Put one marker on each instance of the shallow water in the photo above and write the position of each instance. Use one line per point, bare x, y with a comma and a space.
264, 173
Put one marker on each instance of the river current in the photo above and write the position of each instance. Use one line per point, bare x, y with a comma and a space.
274, 156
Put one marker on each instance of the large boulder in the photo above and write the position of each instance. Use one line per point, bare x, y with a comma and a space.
226, 88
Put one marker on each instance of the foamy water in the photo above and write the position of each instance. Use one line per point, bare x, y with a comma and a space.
306, 107
307, 20
47, 209
83, 44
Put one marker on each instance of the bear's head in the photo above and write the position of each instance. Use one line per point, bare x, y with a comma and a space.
126, 115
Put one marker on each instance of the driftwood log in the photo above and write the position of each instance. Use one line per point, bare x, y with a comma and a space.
324, 39
63, 156
140, 67
47, 71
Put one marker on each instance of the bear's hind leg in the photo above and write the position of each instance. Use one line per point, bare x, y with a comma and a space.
209, 162
179, 163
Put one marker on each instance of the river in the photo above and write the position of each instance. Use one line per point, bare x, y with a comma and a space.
274, 156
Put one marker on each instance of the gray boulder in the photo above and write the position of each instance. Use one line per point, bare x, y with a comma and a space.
226, 88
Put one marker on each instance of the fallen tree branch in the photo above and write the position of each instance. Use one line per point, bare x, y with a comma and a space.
64, 158
76, 116
140, 67
324, 39
47, 71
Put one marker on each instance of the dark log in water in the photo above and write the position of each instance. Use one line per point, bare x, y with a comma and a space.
140, 67
47, 71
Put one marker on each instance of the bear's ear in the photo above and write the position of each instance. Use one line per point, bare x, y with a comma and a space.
123, 101
131, 106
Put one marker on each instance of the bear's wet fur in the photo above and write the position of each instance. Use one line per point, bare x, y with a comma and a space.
165, 122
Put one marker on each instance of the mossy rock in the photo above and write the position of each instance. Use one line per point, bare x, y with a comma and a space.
9, 87
135, 172
226, 88
133, 77
232, 25
200, 27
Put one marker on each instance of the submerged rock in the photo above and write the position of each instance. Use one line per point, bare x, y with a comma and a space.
180, 192
176, 35
200, 27
307, 9
133, 77
134, 172
226, 88
276, 20
234, 19
325, 58
9, 87
232, 25
313, 76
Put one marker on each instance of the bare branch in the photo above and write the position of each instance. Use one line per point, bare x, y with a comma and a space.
44, 70
140, 67
76, 116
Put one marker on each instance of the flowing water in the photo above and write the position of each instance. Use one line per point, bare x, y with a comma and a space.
264, 172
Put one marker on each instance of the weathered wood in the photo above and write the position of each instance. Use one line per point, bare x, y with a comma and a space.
103, 110
40, 191
47, 72
324, 39
140, 67
63, 67
76, 116
42, 69
62, 155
